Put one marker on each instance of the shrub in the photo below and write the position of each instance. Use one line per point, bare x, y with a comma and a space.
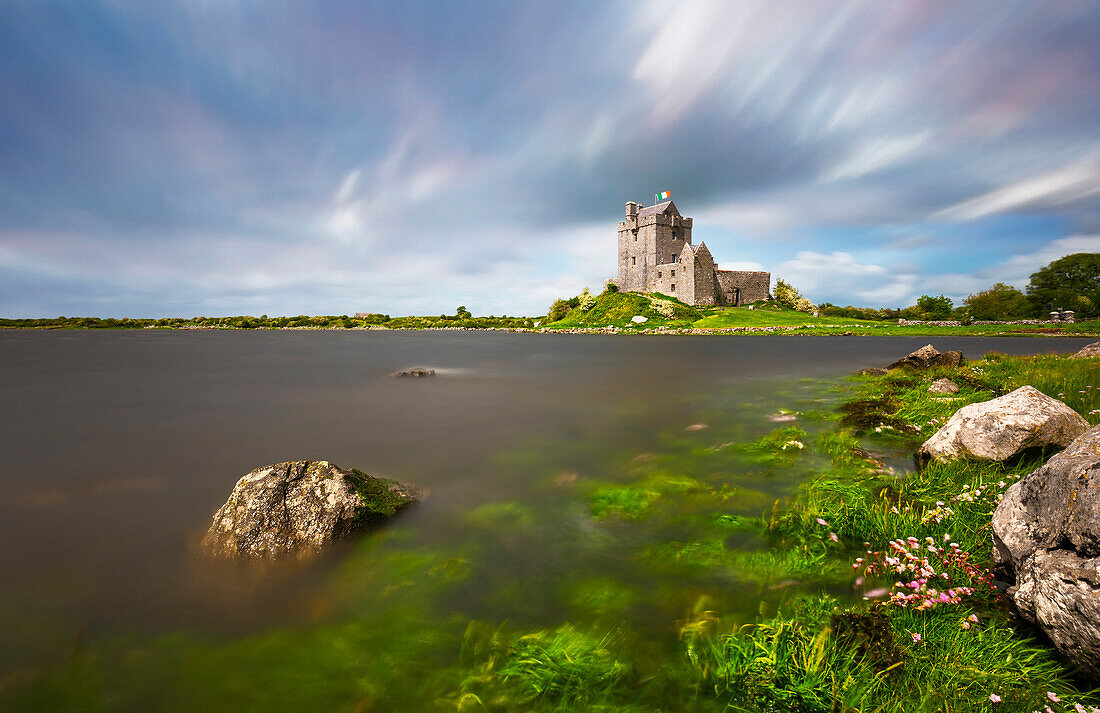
789, 297
558, 310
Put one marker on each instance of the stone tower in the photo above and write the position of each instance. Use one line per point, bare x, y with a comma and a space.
656, 255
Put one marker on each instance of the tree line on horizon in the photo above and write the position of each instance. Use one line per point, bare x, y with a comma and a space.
1068, 283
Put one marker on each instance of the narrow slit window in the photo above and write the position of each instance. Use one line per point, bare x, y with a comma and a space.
674, 273
673, 287
632, 261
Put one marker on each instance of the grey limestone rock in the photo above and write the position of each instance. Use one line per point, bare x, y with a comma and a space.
872, 371
1089, 350
1004, 427
1046, 535
943, 386
298, 507
927, 357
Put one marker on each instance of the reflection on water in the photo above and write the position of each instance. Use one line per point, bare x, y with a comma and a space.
566, 473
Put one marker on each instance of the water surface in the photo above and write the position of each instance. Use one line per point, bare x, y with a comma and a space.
120, 445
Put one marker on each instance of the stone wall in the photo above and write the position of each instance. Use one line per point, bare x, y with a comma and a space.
746, 286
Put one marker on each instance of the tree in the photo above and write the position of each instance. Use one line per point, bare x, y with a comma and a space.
789, 297
934, 307
1000, 301
1071, 282
558, 310
462, 312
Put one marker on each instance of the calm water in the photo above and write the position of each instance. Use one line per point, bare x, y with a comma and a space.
118, 447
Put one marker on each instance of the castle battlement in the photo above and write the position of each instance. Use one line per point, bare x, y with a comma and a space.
656, 255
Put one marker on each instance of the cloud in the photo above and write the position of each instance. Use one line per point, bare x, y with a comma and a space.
304, 157
829, 276
876, 154
1063, 185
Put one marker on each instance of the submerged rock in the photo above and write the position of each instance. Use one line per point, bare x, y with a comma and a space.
1089, 350
298, 507
1006, 426
416, 372
927, 357
943, 386
873, 371
1046, 535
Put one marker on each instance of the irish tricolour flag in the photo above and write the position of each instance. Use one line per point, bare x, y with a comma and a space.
663, 196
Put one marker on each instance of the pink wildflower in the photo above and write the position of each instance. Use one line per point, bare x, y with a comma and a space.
833, 537
993, 697
916, 638
973, 618
1053, 697
822, 522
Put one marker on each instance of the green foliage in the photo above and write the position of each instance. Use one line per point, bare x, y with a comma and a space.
1071, 282
634, 501
558, 310
934, 308
585, 301
789, 297
564, 668
1001, 301
615, 309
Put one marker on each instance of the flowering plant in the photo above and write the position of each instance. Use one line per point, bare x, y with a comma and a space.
931, 575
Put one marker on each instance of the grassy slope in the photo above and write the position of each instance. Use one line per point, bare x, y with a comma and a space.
769, 315
615, 309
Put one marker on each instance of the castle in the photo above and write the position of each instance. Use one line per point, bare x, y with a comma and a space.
656, 255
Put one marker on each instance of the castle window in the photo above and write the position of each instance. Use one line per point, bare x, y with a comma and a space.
674, 273
631, 261
635, 237
673, 287
658, 273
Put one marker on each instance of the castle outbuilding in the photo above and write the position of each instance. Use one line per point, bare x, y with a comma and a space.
656, 255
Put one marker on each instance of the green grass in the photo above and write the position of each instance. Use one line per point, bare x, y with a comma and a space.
770, 315
615, 309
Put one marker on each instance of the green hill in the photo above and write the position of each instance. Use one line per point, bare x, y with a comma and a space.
615, 309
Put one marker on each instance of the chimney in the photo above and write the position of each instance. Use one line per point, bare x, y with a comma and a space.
631, 209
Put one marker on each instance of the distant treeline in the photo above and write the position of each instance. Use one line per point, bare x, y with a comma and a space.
461, 318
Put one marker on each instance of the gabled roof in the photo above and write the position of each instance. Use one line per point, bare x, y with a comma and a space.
667, 207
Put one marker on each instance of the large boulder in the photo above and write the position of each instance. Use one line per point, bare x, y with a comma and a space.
1046, 535
298, 507
927, 357
1089, 350
1004, 427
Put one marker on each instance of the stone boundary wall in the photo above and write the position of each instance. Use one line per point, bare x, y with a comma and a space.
956, 323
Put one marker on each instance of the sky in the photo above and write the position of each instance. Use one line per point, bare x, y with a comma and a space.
225, 157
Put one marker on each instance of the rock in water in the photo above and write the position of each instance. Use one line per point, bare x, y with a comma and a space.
1005, 427
927, 357
299, 507
943, 386
1089, 350
416, 372
1046, 534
